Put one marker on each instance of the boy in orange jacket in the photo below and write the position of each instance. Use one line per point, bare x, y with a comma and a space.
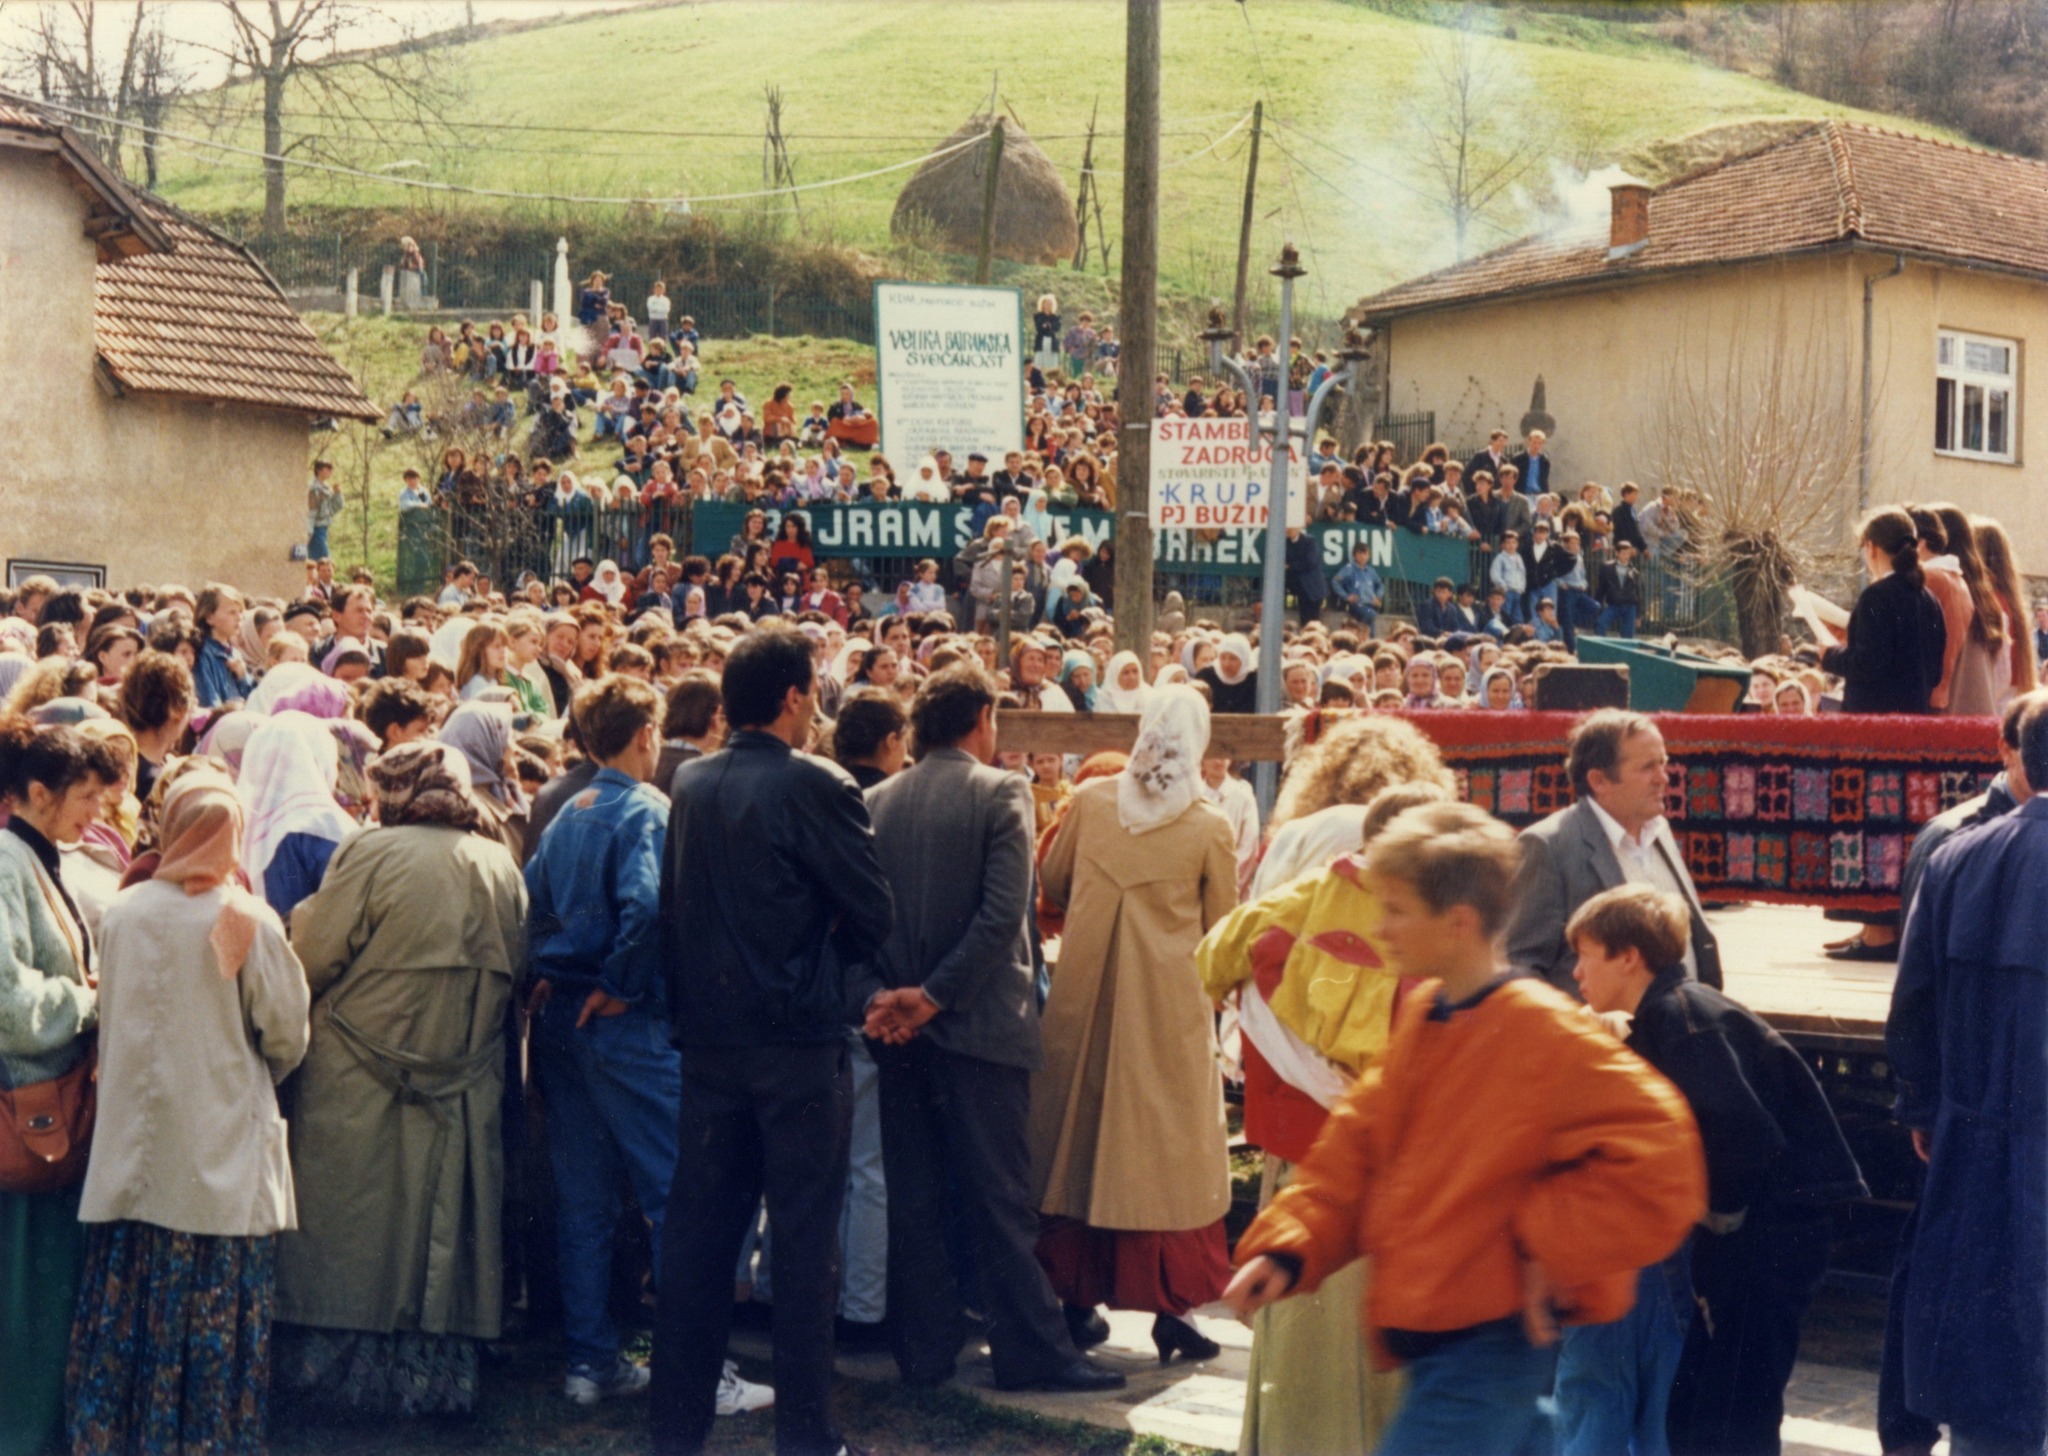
1507, 1164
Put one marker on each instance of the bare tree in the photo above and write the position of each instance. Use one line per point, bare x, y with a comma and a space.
1758, 428
1477, 144
122, 74
396, 92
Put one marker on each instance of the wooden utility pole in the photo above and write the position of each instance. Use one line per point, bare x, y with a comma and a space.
988, 201
1138, 321
1244, 229
1087, 186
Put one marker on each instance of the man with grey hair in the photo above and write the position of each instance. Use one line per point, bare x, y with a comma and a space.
1615, 834
1968, 1040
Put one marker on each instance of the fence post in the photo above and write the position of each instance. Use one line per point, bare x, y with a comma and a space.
349, 293
337, 255
434, 272
771, 309
386, 285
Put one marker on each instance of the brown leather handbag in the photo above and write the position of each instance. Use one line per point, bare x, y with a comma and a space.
46, 1130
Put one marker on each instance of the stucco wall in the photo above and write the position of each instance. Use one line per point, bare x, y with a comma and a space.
154, 489
1613, 360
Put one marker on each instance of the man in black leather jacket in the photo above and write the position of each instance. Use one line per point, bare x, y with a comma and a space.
771, 892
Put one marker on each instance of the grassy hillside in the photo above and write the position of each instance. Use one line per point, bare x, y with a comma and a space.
870, 84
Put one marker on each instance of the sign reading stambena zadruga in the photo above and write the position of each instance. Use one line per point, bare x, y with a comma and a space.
1206, 476
949, 370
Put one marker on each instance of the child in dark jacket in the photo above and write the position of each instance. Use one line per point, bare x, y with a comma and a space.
1776, 1167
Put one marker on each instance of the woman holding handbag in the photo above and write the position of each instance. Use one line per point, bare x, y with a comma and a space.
53, 782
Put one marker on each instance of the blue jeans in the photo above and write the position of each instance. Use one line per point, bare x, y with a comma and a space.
1483, 1395
1618, 621
316, 544
1614, 1380
1361, 613
614, 1094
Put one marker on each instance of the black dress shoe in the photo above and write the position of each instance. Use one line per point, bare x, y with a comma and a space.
1863, 950
1085, 1325
1082, 1377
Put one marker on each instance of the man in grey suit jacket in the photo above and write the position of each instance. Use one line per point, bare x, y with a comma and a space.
1615, 834
955, 1037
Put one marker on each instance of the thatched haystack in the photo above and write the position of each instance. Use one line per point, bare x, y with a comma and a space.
1034, 220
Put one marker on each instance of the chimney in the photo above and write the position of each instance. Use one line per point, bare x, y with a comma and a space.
1629, 228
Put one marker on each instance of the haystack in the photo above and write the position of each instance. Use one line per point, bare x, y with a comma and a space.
1034, 220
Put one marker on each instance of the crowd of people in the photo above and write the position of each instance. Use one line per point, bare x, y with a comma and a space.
380, 976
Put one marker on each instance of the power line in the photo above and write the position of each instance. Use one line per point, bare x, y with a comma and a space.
1266, 90
1242, 121
465, 190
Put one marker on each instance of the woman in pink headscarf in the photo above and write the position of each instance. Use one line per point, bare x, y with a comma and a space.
202, 1011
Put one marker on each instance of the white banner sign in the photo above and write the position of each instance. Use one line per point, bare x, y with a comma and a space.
1207, 477
949, 371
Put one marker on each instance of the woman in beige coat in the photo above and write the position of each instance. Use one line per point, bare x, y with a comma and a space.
410, 947
1128, 1145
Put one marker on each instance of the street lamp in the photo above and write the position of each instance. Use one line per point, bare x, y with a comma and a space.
1279, 432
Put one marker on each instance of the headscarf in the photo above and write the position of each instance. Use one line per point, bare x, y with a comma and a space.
1165, 773
842, 665
356, 746
249, 641
1486, 688
1036, 516
1431, 699
18, 635
65, 713
1070, 664
227, 736
128, 818
201, 842
1110, 698
1239, 646
1170, 674
426, 782
481, 732
334, 653
608, 582
299, 687
693, 602
13, 664
287, 787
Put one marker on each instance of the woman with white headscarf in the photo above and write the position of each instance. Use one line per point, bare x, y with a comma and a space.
1123, 688
1232, 678
295, 824
609, 585
1127, 1132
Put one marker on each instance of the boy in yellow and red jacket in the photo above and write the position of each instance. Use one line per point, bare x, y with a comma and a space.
1506, 1164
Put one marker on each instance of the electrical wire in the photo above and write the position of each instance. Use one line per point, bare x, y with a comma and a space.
1266, 92
1387, 177
1242, 122
469, 191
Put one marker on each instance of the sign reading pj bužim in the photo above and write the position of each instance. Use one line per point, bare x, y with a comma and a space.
949, 370
1207, 477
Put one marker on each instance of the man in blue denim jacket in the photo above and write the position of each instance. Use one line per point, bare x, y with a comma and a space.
611, 1078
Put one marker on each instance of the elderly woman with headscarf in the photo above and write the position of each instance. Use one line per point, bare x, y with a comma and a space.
1127, 1132
1233, 678
202, 1011
1123, 688
286, 784
1077, 680
410, 948
482, 733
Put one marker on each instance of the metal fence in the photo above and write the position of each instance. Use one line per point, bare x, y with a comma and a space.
501, 282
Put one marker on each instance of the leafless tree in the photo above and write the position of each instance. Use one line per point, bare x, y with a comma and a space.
122, 73
1759, 427
1476, 142
290, 52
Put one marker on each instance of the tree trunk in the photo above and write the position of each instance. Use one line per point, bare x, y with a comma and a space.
273, 148
1759, 590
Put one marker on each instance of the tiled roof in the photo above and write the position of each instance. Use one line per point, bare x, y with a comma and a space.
187, 312
1834, 184
206, 321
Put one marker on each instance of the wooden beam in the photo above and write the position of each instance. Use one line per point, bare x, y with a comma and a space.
1245, 737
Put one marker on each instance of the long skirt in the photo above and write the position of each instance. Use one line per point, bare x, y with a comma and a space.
361, 1372
1157, 1272
42, 1256
170, 1350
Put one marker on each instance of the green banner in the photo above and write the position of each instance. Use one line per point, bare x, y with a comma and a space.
922, 528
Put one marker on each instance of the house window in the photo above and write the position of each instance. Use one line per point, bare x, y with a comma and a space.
1976, 395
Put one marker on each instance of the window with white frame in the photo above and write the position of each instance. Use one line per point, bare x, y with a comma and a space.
1976, 395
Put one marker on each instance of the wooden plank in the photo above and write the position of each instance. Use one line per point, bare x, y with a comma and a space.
1245, 737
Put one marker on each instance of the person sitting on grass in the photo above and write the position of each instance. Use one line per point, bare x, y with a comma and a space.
1507, 1165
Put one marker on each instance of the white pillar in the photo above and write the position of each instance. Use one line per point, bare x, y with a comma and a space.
536, 302
350, 294
565, 302
385, 286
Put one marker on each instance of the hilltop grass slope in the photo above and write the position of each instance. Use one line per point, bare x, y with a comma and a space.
878, 82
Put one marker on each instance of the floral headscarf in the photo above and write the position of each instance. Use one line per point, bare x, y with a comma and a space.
1165, 775
426, 782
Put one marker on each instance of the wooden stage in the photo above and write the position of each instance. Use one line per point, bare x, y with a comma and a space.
1772, 962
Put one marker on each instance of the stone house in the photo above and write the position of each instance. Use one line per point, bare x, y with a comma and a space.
162, 389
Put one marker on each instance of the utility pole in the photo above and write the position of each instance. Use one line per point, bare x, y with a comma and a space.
1244, 230
988, 201
1138, 320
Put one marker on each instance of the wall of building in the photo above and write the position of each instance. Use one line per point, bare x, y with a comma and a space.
153, 489
1636, 376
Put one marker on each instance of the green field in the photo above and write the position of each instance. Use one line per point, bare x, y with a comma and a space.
383, 354
873, 83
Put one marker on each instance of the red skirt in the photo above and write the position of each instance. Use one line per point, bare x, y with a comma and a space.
1159, 1273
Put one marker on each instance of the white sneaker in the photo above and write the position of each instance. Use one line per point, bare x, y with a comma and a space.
585, 1386
736, 1396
